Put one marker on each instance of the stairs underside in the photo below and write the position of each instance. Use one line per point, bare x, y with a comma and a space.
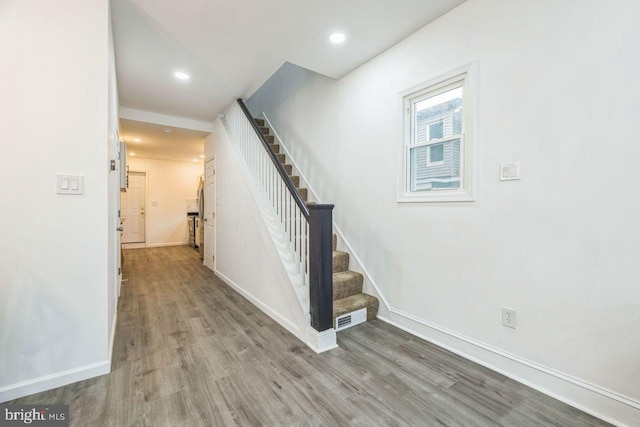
347, 284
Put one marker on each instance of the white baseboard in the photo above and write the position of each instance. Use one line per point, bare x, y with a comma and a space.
594, 400
48, 382
285, 323
141, 245
161, 245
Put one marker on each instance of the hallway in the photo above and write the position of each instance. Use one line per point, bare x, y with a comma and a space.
191, 351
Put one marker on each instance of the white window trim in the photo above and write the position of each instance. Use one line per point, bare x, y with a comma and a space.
468, 149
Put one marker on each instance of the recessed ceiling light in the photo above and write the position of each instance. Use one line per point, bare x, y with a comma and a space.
181, 76
137, 139
337, 38
194, 160
132, 154
202, 156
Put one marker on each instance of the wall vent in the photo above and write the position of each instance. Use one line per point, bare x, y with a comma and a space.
351, 319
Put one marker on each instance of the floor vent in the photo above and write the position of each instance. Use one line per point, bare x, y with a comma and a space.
351, 319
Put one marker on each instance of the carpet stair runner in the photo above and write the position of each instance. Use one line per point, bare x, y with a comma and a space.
347, 284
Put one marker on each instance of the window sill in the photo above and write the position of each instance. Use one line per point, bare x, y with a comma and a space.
435, 197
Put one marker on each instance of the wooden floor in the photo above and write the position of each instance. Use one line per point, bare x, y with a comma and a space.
190, 351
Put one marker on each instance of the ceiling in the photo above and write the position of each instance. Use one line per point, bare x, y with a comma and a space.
231, 47
156, 143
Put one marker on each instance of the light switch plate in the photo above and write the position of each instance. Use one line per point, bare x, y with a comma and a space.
70, 184
509, 171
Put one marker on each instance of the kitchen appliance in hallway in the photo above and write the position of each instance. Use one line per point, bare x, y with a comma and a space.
193, 220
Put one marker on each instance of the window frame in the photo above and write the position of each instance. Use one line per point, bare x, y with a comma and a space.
465, 77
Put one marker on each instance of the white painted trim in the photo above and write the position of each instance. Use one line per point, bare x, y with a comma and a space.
214, 205
138, 245
285, 323
162, 245
113, 335
164, 119
321, 341
609, 404
48, 382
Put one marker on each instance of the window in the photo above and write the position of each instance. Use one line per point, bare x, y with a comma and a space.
435, 155
436, 130
437, 147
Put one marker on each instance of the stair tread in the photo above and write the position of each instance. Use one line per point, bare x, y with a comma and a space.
345, 275
356, 302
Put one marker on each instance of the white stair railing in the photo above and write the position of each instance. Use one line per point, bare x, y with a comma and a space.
272, 189
303, 231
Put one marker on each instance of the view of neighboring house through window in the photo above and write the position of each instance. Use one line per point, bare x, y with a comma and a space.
434, 151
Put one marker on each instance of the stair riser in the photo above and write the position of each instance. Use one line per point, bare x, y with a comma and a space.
340, 262
350, 304
346, 287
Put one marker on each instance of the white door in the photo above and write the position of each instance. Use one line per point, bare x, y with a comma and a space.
132, 204
209, 211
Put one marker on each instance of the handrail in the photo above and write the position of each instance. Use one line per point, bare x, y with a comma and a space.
272, 155
306, 229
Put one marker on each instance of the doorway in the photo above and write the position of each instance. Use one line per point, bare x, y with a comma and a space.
209, 212
132, 206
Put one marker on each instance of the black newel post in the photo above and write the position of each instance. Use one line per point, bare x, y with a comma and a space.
321, 266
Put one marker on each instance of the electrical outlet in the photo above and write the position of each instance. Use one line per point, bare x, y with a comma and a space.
508, 318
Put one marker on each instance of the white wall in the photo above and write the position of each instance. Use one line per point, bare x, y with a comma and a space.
557, 92
54, 248
170, 184
245, 255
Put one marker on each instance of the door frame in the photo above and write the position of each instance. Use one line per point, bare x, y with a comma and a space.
146, 212
213, 206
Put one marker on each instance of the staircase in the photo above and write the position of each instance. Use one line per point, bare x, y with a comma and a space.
347, 284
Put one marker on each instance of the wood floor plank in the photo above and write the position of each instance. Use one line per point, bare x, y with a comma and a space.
190, 351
